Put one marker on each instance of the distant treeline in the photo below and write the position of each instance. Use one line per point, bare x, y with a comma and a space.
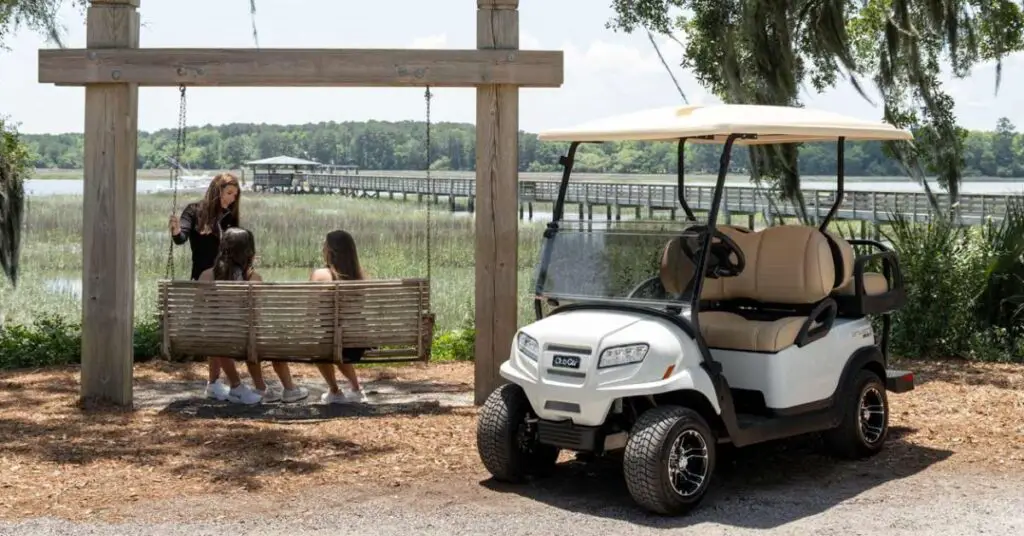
380, 145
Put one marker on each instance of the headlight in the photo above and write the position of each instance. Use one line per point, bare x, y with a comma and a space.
528, 345
622, 355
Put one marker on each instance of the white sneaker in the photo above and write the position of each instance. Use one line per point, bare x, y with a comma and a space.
294, 395
356, 396
244, 395
217, 390
333, 398
269, 395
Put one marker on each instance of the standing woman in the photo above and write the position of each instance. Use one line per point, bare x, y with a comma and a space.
201, 225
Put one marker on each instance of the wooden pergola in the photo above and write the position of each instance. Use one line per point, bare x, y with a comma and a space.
112, 68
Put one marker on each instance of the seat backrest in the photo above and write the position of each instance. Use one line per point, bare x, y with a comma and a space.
294, 321
677, 269
844, 256
789, 264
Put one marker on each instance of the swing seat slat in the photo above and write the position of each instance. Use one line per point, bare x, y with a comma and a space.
303, 322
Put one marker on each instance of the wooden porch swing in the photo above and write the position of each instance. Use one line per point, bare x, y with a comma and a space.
298, 322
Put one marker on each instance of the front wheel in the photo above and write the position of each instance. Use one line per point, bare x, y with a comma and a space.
506, 437
669, 459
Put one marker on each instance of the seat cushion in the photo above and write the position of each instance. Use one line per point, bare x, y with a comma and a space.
730, 331
874, 284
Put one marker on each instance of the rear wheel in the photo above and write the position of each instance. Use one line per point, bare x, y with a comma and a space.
506, 437
865, 424
669, 459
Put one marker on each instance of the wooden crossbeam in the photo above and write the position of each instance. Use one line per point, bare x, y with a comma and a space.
301, 67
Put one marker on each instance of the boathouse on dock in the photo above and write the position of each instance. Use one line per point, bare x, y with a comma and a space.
281, 172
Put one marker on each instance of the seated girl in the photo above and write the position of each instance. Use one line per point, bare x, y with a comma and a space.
234, 262
341, 263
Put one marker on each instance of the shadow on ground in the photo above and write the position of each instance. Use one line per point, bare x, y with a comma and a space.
385, 398
787, 480
236, 455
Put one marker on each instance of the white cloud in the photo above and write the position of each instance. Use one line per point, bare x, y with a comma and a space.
529, 42
431, 41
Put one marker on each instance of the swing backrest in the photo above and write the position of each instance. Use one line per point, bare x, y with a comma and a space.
299, 322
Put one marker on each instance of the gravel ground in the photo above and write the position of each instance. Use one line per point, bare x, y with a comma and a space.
588, 500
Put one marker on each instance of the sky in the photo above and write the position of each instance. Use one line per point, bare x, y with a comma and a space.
606, 72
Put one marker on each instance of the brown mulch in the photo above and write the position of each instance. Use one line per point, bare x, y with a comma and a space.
59, 461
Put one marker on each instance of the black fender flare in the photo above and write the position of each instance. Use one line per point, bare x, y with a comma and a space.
864, 357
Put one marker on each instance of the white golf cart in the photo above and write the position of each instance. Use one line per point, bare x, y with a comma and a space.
645, 354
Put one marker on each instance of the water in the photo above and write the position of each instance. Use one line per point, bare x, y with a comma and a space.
40, 187
64, 285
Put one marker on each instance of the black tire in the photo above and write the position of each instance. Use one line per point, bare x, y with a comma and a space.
647, 457
507, 446
865, 425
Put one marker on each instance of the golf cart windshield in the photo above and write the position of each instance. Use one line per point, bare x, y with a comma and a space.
616, 262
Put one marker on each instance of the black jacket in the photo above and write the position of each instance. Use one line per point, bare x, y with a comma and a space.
204, 247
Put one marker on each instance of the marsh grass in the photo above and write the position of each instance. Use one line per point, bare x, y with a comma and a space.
391, 236
289, 229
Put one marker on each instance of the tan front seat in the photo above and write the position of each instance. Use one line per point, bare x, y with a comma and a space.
788, 265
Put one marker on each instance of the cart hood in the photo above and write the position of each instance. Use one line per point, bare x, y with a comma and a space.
580, 328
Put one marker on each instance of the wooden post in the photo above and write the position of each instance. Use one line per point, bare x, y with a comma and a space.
108, 220
497, 177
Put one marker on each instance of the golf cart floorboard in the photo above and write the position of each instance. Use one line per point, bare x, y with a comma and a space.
752, 428
749, 420
756, 428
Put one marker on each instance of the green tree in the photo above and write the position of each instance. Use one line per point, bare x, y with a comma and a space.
763, 51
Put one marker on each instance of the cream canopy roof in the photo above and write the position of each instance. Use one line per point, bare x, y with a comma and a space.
771, 124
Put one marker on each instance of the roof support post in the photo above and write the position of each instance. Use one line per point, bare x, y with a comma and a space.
497, 195
108, 219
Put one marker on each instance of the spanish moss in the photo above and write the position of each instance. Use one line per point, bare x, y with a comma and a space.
765, 51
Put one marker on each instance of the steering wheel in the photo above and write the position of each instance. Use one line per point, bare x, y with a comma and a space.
723, 248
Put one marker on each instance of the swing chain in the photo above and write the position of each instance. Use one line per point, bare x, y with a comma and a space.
179, 149
430, 185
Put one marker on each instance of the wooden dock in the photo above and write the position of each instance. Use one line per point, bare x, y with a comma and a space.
583, 197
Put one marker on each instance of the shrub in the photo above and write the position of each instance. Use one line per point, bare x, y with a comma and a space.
1001, 302
456, 345
53, 340
964, 288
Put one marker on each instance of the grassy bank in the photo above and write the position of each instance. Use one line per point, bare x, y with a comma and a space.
289, 232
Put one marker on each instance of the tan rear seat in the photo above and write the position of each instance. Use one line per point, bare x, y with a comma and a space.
787, 265
874, 282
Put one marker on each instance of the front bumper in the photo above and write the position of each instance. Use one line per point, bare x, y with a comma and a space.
586, 398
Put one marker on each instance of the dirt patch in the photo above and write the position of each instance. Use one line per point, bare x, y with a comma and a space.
975, 410
59, 461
